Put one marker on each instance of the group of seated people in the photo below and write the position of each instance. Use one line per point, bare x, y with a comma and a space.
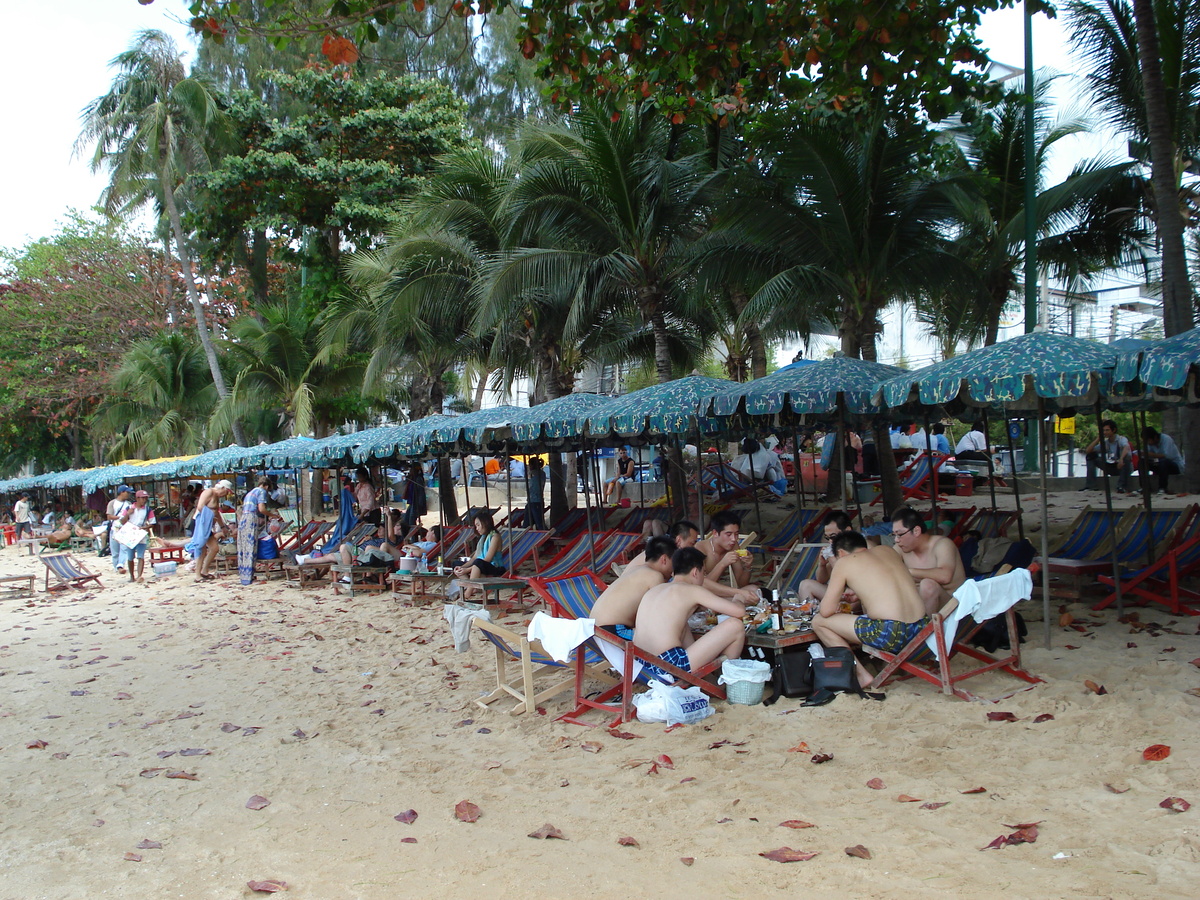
876, 595
383, 549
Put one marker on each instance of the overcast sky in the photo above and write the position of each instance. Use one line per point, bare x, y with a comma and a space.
57, 61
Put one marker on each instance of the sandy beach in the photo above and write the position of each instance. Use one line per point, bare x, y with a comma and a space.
165, 707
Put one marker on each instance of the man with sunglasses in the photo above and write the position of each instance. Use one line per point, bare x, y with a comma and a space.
813, 589
932, 560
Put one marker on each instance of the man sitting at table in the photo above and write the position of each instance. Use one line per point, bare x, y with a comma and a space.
835, 523
662, 619
933, 561
616, 609
721, 555
683, 534
893, 611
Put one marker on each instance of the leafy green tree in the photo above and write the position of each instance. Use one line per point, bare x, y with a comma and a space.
153, 130
70, 305
160, 399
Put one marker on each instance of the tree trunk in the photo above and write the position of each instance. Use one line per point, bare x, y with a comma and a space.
189, 281
662, 352
259, 246
1176, 288
558, 382
754, 339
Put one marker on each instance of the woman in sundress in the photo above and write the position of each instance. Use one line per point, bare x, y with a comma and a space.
250, 522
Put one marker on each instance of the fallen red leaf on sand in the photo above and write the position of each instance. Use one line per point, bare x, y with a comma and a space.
150, 773
724, 821
267, 887
796, 823
408, 840
904, 798
623, 735
147, 844
668, 730
546, 832
822, 758
1196, 661
466, 811
37, 745
591, 747
1070, 647
133, 857
686, 780
997, 844
407, 817
257, 802
628, 842
687, 860
1155, 752
934, 805
787, 854
1095, 688
1044, 717
229, 727
974, 790
1118, 787
186, 776
801, 747
664, 762
1001, 717
859, 851
1024, 834
1130, 645
876, 784
1065, 619
1176, 804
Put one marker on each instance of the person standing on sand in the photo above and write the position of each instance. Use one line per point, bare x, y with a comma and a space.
251, 520
535, 503
206, 527
116, 506
140, 514
21, 517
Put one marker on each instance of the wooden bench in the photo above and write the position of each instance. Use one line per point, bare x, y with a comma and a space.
374, 578
31, 543
17, 585
305, 576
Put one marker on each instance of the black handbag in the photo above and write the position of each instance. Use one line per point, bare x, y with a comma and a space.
835, 671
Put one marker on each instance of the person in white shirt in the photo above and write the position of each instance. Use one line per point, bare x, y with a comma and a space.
1110, 454
22, 518
973, 445
140, 514
759, 464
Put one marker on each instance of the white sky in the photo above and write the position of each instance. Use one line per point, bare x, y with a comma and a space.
60, 63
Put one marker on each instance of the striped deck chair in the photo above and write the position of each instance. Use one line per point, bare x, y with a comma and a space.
1089, 534
799, 563
1159, 581
1135, 543
948, 633
639, 517
795, 527
297, 535
68, 572
576, 521
722, 482
991, 523
576, 555
574, 596
514, 647
959, 519
914, 478
523, 545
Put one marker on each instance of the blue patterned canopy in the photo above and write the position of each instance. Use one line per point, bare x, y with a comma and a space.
473, 430
661, 409
1063, 371
1162, 364
556, 420
808, 387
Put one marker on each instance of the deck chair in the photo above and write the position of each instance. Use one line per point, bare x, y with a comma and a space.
524, 546
799, 563
639, 517
1134, 544
1158, 582
914, 478
722, 482
616, 549
959, 520
575, 556
514, 647
68, 572
796, 526
299, 535
946, 636
991, 523
573, 596
577, 521
1089, 534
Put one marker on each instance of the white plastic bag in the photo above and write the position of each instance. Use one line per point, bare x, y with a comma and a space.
671, 704
744, 670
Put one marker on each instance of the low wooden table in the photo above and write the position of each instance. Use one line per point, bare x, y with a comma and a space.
397, 579
305, 576
496, 585
379, 576
17, 585
166, 554
779, 641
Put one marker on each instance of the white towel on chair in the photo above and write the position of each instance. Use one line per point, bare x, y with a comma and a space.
460, 618
982, 600
560, 636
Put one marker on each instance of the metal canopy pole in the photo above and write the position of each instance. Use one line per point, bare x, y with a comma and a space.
1012, 456
987, 442
1112, 530
1045, 527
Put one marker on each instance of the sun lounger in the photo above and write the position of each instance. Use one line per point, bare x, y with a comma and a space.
991, 523
914, 478
1159, 582
573, 596
68, 572
1142, 532
929, 655
799, 525
799, 563
575, 556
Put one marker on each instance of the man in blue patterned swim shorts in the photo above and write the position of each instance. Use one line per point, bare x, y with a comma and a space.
893, 609
662, 619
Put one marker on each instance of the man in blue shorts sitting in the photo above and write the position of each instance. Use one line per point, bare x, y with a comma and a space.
662, 619
893, 611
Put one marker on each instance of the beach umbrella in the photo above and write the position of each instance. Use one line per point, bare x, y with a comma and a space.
213, 462
808, 387
1165, 368
661, 410
471, 431
1030, 374
394, 441
555, 422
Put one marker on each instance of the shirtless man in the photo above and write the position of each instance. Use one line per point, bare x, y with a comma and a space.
814, 588
932, 560
683, 534
662, 619
721, 555
616, 609
209, 527
893, 611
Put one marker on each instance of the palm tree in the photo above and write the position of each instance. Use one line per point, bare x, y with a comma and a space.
160, 399
1086, 224
152, 130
